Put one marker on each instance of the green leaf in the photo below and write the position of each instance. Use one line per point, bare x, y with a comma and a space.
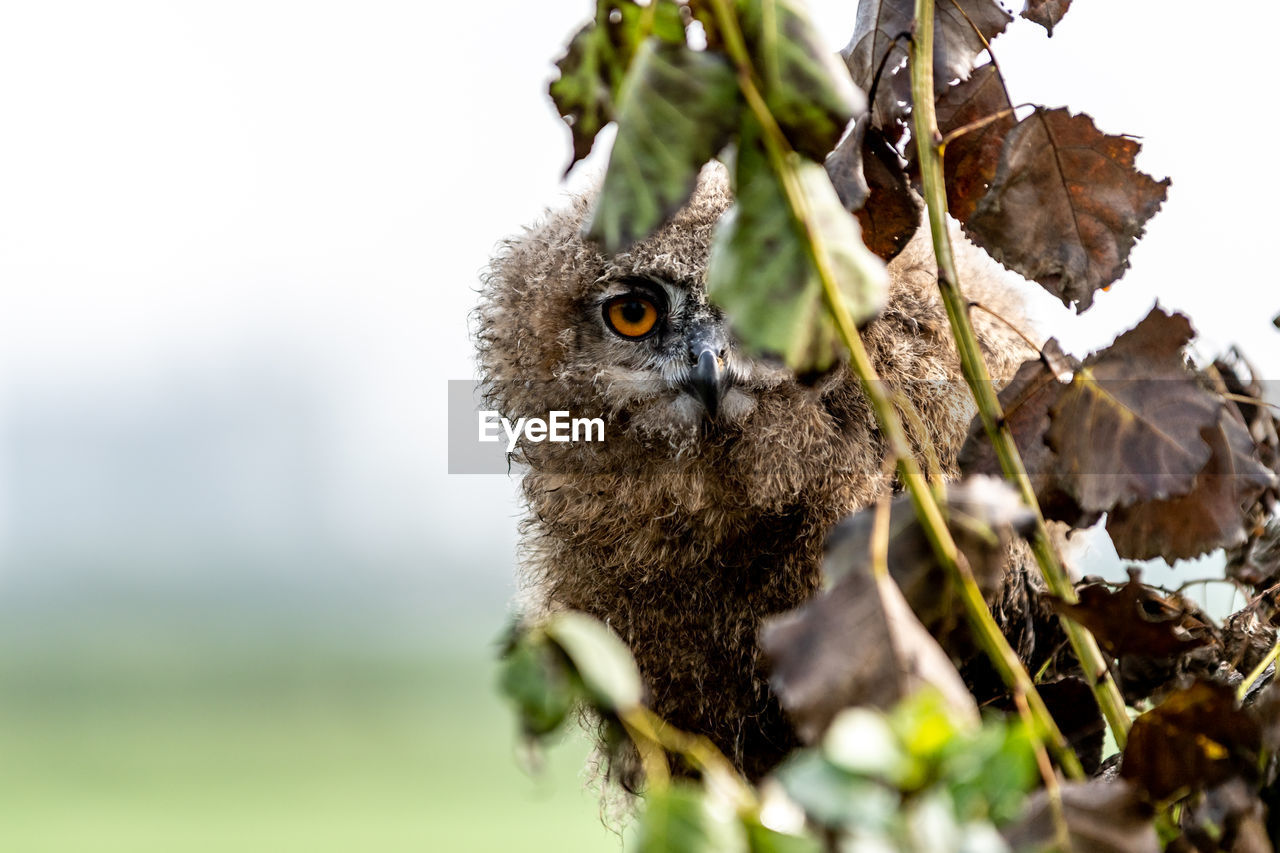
990, 773
533, 677
859, 740
596, 62
805, 85
763, 273
679, 819
678, 108
603, 662
834, 797
924, 724
762, 839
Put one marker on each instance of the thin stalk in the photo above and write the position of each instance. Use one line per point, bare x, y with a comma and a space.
1258, 670
932, 520
930, 150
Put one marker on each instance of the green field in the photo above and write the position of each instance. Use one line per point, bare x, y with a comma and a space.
178, 747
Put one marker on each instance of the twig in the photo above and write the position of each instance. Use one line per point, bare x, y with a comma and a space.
1258, 670
973, 366
1052, 790
1013, 327
986, 631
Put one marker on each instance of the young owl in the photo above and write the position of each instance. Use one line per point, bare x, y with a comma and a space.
703, 511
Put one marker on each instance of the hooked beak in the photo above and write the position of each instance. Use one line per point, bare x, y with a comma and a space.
707, 381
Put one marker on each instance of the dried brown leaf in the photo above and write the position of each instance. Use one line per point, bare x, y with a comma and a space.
1046, 13
1102, 817
871, 181
1026, 401
970, 160
1134, 619
1211, 516
879, 42
1196, 739
1066, 205
1130, 426
983, 513
855, 644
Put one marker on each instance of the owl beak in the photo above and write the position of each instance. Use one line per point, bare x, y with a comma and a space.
707, 379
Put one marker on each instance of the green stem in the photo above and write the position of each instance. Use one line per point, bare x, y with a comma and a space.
988, 633
1258, 670
930, 147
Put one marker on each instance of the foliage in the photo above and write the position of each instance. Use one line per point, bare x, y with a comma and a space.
1182, 459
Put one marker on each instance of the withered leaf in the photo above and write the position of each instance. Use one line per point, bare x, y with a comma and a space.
1257, 562
859, 643
1046, 13
1132, 620
1197, 738
844, 167
1102, 817
870, 179
1026, 401
596, 62
983, 513
892, 212
1210, 516
855, 644
1066, 205
970, 160
1130, 426
876, 45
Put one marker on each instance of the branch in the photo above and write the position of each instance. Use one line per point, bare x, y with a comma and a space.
930, 148
988, 633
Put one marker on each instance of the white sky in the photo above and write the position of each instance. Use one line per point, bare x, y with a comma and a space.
182, 183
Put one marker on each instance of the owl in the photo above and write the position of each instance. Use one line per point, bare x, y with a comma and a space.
703, 512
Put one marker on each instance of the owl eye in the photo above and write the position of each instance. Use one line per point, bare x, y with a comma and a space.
632, 316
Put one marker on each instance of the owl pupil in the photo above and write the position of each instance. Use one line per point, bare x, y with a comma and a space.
633, 312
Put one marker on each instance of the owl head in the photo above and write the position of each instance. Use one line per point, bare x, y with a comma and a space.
633, 339
630, 336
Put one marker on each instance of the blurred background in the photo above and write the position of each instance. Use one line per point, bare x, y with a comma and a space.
242, 605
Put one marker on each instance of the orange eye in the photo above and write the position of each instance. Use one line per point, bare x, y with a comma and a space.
631, 316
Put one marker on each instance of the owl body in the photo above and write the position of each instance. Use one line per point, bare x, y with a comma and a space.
704, 510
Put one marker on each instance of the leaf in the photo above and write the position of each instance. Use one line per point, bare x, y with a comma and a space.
1133, 620
984, 514
1066, 205
855, 644
1196, 739
876, 44
1210, 516
1130, 426
1046, 13
815, 673
762, 839
596, 62
1258, 562
1026, 401
806, 87
678, 819
763, 275
535, 680
871, 182
678, 108
971, 159
602, 661
834, 797
1102, 816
